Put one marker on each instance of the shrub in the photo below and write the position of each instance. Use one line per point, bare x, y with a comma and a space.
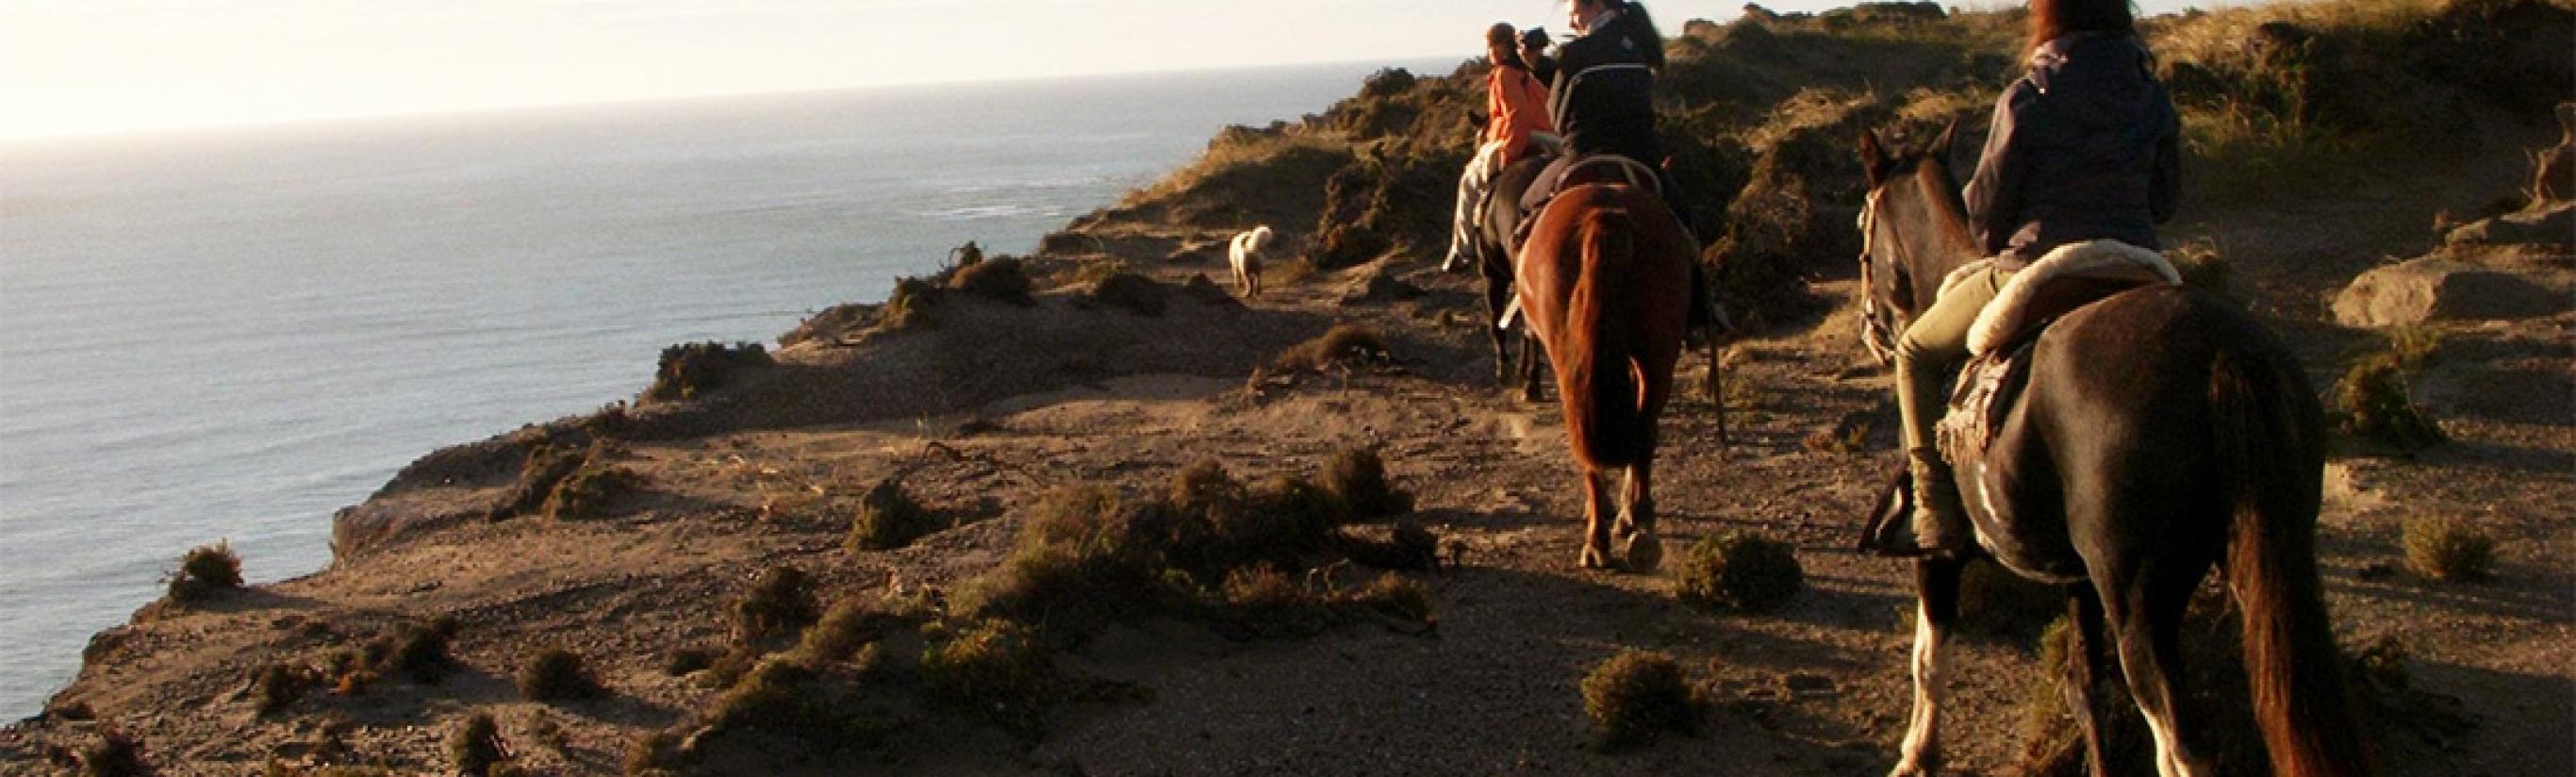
909, 304
779, 697
2414, 345
204, 571
2449, 549
2380, 667
2371, 402
475, 746
1388, 82
844, 629
588, 491
557, 675
888, 519
991, 667
276, 687
1407, 546
115, 754
1740, 571
1345, 345
1262, 591
2214, 679
416, 650
1395, 596
651, 754
1636, 695
1358, 477
1002, 278
1132, 293
1204, 487
778, 604
691, 370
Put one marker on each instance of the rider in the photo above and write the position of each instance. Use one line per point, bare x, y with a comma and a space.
2084, 147
1603, 103
1516, 105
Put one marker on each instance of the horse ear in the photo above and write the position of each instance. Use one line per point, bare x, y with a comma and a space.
1873, 156
1941, 143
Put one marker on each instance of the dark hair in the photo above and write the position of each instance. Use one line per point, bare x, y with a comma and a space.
1650, 42
2054, 19
1502, 35
1535, 37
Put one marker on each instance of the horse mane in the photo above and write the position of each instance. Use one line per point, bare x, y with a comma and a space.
1949, 207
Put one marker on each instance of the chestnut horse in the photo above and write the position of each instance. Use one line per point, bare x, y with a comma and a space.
1605, 284
2163, 432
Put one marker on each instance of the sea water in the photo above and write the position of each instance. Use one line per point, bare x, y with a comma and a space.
227, 335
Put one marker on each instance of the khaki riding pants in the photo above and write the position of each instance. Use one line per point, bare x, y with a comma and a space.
1472, 185
1936, 342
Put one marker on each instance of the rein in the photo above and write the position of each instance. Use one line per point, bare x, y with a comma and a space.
1874, 333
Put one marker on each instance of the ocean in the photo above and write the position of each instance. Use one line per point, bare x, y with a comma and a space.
228, 334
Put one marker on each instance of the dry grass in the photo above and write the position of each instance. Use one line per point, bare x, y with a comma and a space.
2448, 549
1394, 596
1637, 695
1739, 571
113, 754
1346, 345
993, 668
412, 649
1131, 292
276, 687
1002, 278
589, 491
1358, 477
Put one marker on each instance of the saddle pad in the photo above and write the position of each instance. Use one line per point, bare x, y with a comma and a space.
2109, 264
1988, 388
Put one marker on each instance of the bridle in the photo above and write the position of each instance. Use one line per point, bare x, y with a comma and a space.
1875, 334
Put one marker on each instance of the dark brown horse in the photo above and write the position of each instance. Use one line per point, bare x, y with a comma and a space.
2162, 433
1494, 225
1605, 285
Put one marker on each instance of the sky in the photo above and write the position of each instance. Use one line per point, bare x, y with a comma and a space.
78, 67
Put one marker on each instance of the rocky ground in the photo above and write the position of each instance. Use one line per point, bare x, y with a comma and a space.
994, 403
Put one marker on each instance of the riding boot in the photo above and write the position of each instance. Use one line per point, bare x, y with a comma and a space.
1939, 525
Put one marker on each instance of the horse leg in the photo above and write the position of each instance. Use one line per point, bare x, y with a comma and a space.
1529, 366
1936, 586
1637, 518
2083, 664
1596, 524
2145, 612
1498, 293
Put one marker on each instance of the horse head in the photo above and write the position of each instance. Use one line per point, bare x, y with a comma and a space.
1914, 231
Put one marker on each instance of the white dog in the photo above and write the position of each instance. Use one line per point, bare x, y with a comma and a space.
1245, 253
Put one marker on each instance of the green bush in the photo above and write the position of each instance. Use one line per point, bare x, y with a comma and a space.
1740, 571
2371, 402
993, 668
2449, 549
556, 674
889, 518
1636, 695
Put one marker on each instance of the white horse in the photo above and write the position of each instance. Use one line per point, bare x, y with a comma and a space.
1244, 252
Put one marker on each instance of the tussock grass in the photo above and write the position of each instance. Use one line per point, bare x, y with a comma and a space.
909, 305
993, 668
651, 755
590, 489
1638, 695
276, 687
413, 650
889, 518
1740, 571
2448, 549
556, 674
692, 370
1395, 596
205, 571
1131, 292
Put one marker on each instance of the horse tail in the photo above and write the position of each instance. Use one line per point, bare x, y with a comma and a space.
2272, 450
1603, 360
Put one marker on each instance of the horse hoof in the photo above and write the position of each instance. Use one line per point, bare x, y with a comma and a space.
1645, 553
1914, 768
1593, 558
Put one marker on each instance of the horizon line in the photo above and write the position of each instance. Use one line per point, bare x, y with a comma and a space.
177, 131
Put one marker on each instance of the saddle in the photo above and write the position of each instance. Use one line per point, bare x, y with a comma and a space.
1567, 173
2067, 279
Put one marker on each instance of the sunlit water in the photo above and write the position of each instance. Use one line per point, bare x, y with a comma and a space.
231, 334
